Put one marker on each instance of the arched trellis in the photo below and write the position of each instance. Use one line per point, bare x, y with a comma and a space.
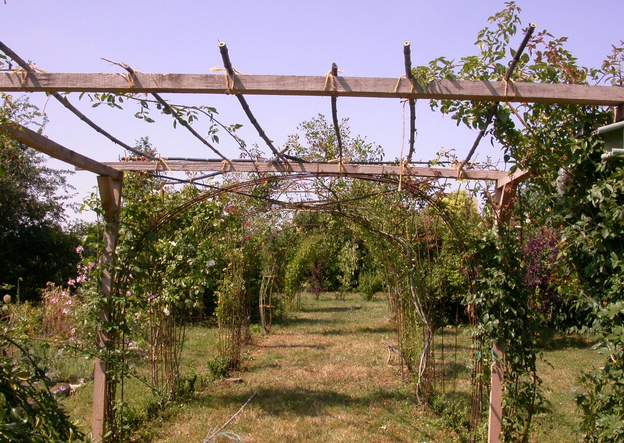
420, 191
110, 176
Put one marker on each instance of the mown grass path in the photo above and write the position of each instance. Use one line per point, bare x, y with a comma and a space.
321, 377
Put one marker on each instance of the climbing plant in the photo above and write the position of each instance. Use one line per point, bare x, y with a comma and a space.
28, 410
541, 138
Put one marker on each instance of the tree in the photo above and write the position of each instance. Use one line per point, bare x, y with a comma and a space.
571, 191
35, 246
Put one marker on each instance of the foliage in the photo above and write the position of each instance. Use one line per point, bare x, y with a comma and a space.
311, 262
28, 410
591, 209
369, 283
502, 302
348, 258
316, 141
231, 311
541, 138
35, 246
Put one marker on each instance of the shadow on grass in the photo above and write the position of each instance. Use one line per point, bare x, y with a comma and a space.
360, 330
295, 321
303, 402
333, 309
460, 397
449, 348
452, 370
291, 346
560, 342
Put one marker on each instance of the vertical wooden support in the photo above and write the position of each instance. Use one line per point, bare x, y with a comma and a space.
503, 200
110, 196
495, 418
618, 113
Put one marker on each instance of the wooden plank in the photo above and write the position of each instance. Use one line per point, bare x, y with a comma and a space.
312, 86
514, 178
495, 418
110, 195
315, 168
53, 149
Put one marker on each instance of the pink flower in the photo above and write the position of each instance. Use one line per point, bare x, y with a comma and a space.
79, 250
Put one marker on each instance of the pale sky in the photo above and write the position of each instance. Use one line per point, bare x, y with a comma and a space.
280, 37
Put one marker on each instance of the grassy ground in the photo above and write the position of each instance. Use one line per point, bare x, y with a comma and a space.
323, 376
320, 377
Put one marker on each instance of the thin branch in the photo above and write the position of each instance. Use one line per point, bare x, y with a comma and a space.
407, 55
243, 102
62, 100
230, 420
184, 123
167, 107
334, 108
199, 109
494, 108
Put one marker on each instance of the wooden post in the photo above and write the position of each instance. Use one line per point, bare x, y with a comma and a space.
110, 195
505, 190
618, 113
495, 419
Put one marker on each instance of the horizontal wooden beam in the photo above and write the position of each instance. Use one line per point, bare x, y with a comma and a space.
312, 86
314, 168
43, 144
519, 175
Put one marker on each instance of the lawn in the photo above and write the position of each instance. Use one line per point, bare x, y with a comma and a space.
323, 376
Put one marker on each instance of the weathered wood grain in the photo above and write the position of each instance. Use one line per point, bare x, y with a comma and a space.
312, 86
309, 168
42, 144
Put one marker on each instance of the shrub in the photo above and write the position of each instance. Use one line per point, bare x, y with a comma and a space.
28, 410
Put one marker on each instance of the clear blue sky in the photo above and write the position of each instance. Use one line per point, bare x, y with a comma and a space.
280, 37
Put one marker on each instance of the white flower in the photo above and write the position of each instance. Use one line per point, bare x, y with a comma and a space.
211, 263
166, 310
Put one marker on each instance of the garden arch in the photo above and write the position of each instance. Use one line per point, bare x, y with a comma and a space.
110, 175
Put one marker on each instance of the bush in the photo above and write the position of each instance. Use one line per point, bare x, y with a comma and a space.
218, 367
370, 282
28, 410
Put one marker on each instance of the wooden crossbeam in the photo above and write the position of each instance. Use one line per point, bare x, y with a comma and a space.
312, 86
514, 178
314, 168
43, 144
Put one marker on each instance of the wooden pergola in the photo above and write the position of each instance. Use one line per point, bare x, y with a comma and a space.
110, 174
